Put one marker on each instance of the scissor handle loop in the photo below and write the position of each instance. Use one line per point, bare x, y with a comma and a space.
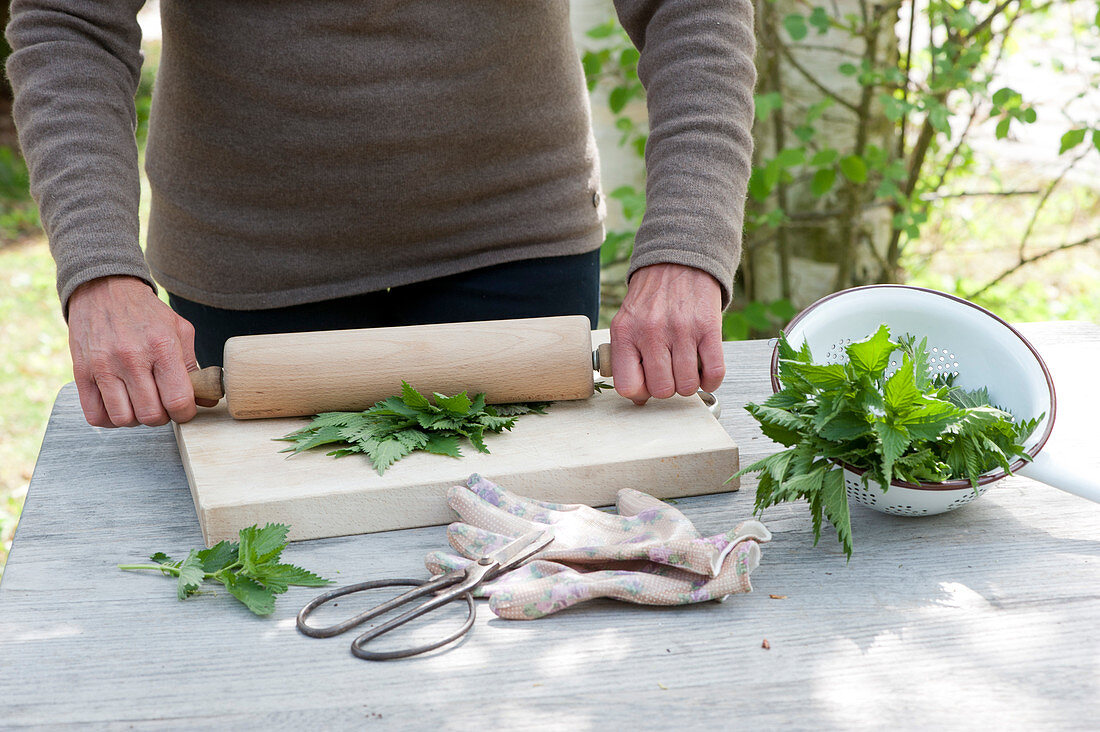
346, 625
361, 652
420, 589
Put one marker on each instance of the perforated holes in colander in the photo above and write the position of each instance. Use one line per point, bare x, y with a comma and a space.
899, 510
942, 361
858, 493
836, 352
966, 498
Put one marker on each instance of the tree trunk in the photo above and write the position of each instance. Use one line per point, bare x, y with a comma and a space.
837, 240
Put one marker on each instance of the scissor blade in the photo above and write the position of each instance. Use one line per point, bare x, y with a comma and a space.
523, 548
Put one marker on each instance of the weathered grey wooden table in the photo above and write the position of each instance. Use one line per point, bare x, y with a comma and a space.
984, 617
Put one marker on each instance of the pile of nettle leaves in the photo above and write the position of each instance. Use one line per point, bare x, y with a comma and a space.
397, 426
907, 425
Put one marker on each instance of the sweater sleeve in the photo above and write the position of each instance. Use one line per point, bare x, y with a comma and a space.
697, 68
74, 68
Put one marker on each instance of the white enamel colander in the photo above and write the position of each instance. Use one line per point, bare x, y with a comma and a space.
963, 339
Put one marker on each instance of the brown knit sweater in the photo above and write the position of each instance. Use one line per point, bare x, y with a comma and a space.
300, 151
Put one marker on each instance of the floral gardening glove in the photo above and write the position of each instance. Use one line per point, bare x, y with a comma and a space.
652, 553
643, 529
541, 587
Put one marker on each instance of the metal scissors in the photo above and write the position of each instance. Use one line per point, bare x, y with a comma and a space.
446, 587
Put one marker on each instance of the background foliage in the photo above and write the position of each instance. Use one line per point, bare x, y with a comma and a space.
927, 78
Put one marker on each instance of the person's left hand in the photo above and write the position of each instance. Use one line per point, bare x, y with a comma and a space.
667, 337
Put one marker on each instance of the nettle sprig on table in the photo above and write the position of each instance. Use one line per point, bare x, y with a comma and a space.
904, 424
251, 569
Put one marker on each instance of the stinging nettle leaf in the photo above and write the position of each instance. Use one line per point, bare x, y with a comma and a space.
294, 575
444, 422
964, 399
510, 410
190, 576
845, 426
260, 546
834, 503
785, 349
805, 484
779, 417
413, 398
900, 391
394, 406
782, 435
823, 377
332, 419
894, 441
929, 420
386, 452
443, 444
255, 596
458, 404
476, 435
278, 577
496, 424
323, 436
872, 355
219, 556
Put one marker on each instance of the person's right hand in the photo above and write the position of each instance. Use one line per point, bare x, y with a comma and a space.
131, 354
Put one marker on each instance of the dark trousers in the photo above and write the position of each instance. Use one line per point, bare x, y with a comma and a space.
529, 288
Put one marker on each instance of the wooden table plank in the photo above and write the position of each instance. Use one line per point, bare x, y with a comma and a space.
981, 616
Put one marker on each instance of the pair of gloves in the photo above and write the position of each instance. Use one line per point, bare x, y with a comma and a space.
648, 552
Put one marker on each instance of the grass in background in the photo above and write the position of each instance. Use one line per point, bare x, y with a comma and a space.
18, 214
34, 364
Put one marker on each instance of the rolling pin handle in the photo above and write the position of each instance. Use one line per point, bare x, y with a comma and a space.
207, 383
601, 359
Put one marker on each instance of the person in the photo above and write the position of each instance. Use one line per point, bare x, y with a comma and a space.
346, 164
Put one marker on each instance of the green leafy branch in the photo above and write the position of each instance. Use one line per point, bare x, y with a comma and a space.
250, 569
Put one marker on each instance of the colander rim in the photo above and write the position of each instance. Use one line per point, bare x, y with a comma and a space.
947, 485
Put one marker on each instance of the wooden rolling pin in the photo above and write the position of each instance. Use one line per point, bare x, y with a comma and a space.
295, 374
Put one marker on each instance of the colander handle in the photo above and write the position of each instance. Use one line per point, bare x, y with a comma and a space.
1064, 474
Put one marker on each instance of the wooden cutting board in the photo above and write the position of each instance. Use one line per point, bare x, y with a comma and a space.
578, 452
